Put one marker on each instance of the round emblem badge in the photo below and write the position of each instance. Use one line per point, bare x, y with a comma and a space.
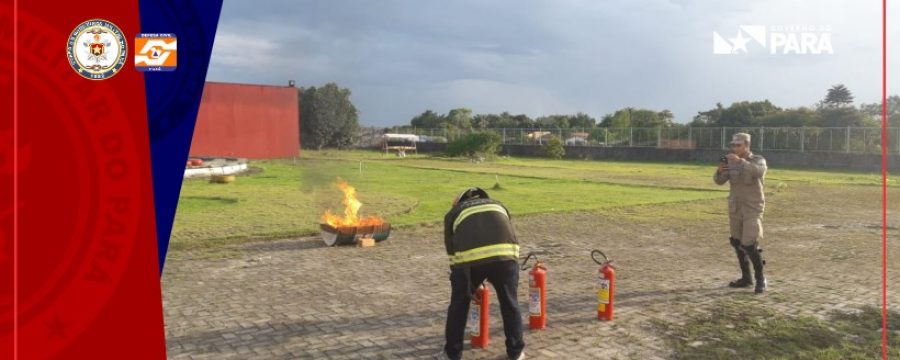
96, 49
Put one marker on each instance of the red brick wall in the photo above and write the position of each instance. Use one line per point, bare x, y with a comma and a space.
243, 120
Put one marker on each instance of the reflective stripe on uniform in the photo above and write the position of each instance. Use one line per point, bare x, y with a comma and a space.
478, 209
485, 252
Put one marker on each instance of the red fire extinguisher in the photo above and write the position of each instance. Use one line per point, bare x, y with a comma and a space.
537, 293
606, 286
479, 317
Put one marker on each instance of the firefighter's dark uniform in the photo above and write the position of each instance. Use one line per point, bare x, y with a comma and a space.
481, 245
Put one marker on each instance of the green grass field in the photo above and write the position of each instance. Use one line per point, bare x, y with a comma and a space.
287, 198
731, 329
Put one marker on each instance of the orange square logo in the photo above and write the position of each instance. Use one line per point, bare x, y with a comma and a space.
155, 52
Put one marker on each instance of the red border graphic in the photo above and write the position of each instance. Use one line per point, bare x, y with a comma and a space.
85, 278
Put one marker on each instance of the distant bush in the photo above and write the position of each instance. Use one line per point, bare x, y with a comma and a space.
484, 144
553, 149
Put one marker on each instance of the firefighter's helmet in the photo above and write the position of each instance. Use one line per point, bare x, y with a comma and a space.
471, 193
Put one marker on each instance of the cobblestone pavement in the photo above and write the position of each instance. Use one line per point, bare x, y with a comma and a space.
295, 298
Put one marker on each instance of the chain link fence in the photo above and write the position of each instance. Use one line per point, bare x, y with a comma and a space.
822, 139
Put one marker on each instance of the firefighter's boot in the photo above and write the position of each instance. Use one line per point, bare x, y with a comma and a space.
755, 255
744, 263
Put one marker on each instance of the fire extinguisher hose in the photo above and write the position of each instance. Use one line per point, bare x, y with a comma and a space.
605, 258
525, 262
473, 288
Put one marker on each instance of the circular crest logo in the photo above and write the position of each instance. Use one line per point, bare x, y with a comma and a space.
97, 49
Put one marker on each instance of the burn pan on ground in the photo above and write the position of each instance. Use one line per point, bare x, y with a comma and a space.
348, 235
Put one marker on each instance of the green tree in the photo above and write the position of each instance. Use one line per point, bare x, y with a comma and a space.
599, 135
710, 117
523, 121
631, 117
741, 113
482, 121
553, 121
844, 116
666, 116
893, 110
790, 118
553, 149
475, 144
327, 117
619, 119
837, 96
582, 120
645, 118
461, 118
427, 120
504, 120
747, 113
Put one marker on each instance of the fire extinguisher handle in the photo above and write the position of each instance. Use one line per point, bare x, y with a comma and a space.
594, 257
525, 262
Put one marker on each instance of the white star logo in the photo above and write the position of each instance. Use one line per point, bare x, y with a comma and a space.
739, 43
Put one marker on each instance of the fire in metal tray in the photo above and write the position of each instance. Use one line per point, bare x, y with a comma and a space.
346, 235
347, 229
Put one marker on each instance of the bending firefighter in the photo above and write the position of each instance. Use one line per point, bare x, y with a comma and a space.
481, 245
746, 174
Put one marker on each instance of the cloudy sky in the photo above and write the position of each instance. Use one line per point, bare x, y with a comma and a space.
401, 57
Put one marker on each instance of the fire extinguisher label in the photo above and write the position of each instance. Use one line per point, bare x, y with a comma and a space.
534, 301
603, 293
474, 323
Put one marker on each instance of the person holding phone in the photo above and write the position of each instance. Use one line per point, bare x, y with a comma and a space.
746, 173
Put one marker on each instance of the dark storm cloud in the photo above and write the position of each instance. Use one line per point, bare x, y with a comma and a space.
539, 57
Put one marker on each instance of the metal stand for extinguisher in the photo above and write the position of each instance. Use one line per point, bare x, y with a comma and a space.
606, 285
537, 293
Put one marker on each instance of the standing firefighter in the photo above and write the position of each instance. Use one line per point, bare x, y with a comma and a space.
481, 245
746, 172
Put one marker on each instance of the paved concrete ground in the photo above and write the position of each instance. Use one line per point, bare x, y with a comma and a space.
295, 298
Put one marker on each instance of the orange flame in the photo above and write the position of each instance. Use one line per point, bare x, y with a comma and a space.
351, 210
